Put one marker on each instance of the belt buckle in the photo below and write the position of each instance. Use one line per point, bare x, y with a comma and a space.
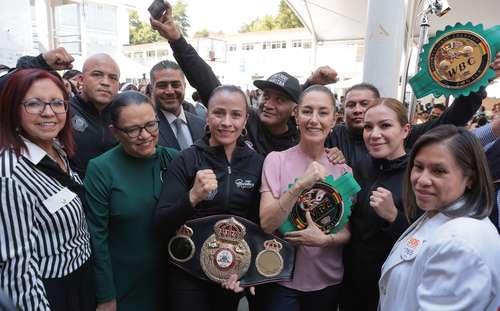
225, 252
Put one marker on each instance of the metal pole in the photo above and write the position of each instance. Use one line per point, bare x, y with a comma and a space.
422, 40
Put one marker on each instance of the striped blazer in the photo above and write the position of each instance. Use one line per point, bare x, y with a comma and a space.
43, 231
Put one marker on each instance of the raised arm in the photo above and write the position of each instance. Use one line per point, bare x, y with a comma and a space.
196, 70
56, 59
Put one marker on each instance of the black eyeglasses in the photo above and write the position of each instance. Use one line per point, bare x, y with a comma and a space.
37, 106
134, 131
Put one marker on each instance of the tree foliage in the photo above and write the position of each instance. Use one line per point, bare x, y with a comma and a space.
204, 33
285, 19
180, 17
141, 32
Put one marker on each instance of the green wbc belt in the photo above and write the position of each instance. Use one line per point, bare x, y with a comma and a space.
329, 203
457, 61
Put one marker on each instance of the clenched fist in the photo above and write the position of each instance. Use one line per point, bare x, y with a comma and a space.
204, 183
315, 172
323, 75
383, 204
58, 59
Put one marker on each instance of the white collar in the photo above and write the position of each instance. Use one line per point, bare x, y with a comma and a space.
33, 152
171, 117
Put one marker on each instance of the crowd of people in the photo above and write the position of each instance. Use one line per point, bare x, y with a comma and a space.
96, 177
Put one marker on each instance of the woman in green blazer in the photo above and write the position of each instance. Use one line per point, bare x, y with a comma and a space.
123, 186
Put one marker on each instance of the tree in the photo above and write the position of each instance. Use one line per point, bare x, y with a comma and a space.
180, 17
204, 33
286, 18
264, 23
141, 32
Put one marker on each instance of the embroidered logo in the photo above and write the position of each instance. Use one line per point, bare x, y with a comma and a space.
244, 183
249, 144
79, 123
279, 79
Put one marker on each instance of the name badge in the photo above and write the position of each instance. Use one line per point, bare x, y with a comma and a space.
410, 249
58, 200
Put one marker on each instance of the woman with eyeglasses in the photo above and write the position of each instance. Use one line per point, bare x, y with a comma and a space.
44, 242
123, 186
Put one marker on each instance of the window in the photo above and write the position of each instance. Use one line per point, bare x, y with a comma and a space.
150, 53
138, 55
296, 43
231, 47
162, 53
274, 45
247, 46
307, 44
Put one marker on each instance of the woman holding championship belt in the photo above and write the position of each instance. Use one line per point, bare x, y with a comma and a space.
449, 258
318, 266
218, 174
377, 218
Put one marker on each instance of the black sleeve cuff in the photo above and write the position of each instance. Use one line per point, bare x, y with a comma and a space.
396, 228
169, 218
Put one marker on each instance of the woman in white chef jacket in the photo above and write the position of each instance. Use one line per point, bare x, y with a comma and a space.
449, 259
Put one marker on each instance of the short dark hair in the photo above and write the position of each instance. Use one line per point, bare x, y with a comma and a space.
364, 86
11, 97
318, 88
126, 99
195, 96
164, 64
469, 155
71, 73
228, 88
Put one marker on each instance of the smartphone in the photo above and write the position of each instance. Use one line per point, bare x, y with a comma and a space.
157, 8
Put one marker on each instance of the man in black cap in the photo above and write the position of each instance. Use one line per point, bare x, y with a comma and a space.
270, 128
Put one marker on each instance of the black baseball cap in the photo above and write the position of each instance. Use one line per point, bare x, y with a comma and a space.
283, 82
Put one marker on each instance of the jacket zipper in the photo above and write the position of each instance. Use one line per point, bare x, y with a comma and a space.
228, 188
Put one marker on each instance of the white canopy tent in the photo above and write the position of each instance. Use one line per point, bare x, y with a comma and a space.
333, 20
338, 20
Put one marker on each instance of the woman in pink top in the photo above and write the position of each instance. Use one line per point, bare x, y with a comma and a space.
318, 263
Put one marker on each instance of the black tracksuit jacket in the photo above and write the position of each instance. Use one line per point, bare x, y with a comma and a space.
237, 190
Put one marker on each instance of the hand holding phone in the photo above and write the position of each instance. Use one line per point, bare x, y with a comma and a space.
156, 9
164, 23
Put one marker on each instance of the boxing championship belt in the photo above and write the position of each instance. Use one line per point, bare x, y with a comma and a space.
327, 201
215, 247
456, 61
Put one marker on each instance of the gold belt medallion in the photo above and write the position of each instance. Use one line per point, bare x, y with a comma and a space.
269, 262
225, 252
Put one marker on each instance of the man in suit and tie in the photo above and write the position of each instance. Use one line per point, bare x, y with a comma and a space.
178, 128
